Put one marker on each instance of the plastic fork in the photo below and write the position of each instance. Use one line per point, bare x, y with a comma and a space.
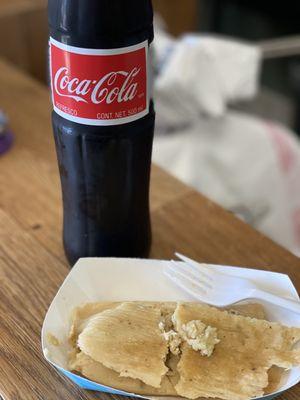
218, 289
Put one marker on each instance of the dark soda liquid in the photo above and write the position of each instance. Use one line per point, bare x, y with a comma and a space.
105, 185
105, 171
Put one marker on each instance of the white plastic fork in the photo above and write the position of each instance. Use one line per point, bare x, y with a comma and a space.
219, 289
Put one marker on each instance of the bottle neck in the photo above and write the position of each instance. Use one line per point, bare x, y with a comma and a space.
101, 23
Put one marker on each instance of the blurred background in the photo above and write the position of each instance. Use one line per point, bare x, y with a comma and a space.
227, 88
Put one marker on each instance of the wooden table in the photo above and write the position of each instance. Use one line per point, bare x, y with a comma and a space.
24, 35
32, 262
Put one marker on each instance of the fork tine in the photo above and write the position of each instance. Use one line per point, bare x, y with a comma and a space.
195, 265
199, 275
195, 278
198, 294
179, 274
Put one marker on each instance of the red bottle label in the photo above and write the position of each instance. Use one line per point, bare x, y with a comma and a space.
99, 87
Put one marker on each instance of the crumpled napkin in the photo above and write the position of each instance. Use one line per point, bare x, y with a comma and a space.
200, 74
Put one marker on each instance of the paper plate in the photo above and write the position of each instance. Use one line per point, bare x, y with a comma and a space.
112, 279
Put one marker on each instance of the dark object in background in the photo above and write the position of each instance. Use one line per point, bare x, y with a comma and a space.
6, 137
257, 21
105, 170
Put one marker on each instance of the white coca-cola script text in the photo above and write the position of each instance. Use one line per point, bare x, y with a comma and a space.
116, 86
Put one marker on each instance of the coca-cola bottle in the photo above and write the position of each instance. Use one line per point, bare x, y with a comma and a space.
103, 122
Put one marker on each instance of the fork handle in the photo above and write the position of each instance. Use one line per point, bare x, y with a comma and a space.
292, 305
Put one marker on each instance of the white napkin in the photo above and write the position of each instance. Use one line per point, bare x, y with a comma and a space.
200, 74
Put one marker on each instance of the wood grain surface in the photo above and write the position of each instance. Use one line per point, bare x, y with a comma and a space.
24, 35
32, 262
179, 16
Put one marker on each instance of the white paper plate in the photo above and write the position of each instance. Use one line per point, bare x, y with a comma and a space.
111, 279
